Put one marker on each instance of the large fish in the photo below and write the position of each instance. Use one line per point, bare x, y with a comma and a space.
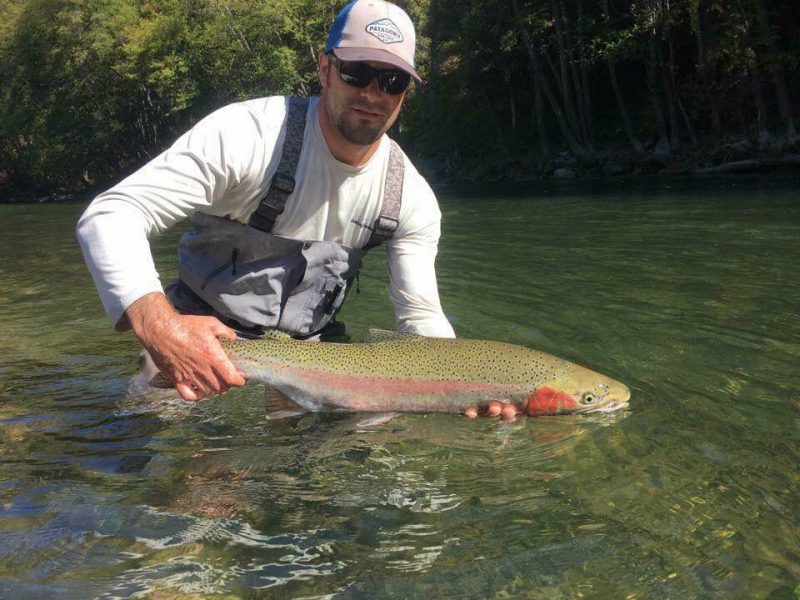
393, 372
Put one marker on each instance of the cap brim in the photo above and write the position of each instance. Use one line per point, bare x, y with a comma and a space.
377, 55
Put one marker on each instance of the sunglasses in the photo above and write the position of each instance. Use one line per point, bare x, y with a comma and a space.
360, 75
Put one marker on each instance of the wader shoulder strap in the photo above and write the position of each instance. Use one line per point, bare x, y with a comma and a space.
282, 184
386, 223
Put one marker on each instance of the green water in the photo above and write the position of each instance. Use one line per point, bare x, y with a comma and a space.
687, 291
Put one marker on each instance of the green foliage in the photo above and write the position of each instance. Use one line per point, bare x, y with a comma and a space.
689, 70
92, 88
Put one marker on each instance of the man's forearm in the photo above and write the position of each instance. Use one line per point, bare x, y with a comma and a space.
113, 238
414, 293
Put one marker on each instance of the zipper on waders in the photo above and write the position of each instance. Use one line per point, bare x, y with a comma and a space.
231, 263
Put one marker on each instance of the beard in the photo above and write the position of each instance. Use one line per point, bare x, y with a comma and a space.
360, 132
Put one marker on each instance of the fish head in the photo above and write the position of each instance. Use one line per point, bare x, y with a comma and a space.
578, 391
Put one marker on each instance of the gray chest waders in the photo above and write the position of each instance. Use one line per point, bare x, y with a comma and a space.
252, 279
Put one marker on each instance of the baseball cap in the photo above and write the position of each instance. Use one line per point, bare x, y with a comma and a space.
374, 30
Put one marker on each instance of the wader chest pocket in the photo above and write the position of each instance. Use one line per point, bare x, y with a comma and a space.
259, 279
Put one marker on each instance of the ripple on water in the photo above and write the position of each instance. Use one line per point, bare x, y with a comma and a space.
685, 296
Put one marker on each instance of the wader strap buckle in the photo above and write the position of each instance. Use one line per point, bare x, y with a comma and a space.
386, 224
283, 182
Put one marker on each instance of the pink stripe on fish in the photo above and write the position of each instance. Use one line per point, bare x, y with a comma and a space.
374, 384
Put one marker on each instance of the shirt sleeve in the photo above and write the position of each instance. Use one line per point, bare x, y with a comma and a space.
412, 255
217, 167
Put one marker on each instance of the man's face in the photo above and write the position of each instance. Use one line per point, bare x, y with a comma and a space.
360, 115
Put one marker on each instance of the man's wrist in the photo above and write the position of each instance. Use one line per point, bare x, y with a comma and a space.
149, 312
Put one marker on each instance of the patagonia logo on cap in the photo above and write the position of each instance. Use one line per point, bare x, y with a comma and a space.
385, 30
374, 30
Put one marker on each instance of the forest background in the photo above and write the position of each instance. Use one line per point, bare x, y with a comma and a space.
514, 89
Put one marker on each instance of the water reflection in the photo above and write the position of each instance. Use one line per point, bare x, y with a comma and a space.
387, 491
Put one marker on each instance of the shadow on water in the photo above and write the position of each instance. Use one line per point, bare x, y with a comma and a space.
685, 293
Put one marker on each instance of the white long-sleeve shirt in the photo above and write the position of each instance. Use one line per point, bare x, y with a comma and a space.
222, 166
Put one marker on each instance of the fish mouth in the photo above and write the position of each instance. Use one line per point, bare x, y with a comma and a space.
607, 408
613, 405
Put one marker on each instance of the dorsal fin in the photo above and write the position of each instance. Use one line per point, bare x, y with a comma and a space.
376, 336
276, 334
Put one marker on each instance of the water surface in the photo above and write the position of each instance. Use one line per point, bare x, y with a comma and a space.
685, 291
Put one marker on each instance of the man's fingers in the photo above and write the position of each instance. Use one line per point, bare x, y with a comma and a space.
226, 373
220, 330
230, 375
221, 377
494, 409
509, 412
187, 392
209, 382
505, 410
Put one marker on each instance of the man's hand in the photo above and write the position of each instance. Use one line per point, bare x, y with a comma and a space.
185, 348
496, 408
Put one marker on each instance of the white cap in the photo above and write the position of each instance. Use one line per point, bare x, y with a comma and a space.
375, 30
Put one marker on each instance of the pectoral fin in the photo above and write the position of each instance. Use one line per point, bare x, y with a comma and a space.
376, 419
376, 336
278, 406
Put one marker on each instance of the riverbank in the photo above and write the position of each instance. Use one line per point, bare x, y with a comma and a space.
613, 169
732, 156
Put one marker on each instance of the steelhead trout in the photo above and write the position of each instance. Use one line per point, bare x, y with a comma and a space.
396, 372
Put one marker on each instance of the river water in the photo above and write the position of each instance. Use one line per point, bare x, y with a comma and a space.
687, 291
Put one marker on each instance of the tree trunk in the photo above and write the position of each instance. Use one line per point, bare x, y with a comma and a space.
671, 93
512, 105
778, 76
627, 123
499, 137
563, 60
662, 149
541, 127
702, 68
761, 109
751, 165
762, 133
513, 111
687, 123
561, 118
584, 97
236, 31
583, 126
536, 72
630, 130
785, 104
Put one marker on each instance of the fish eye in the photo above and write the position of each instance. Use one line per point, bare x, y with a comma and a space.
587, 397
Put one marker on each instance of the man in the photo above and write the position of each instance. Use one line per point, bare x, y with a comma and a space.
275, 246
